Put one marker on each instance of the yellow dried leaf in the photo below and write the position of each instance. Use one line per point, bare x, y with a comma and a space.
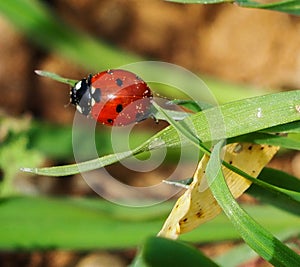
198, 205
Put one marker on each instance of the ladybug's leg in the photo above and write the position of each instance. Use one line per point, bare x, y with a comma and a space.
152, 116
141, 116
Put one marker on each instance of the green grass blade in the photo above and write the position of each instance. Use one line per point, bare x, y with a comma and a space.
289, 6
282, 141
239, 118
259, 239
80, 167
241, 254
184, 127
292, 127
268, 139
280, 179
40, 223
288, 199
56, 77
200, 1
164, 252
51, 223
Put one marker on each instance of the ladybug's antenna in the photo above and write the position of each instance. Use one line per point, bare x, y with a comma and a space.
56, 77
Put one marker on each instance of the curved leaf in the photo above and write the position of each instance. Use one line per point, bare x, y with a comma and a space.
259, 239
163, 252
288, 6
228, 120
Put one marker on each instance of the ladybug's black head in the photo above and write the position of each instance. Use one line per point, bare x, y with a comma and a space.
81, 97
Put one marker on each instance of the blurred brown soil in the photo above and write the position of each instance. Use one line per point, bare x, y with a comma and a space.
241, 45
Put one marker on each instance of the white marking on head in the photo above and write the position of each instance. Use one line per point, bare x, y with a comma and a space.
78, 85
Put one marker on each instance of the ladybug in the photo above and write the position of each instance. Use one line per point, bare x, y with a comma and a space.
113, 97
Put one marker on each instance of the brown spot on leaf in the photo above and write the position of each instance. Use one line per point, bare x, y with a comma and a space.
199, 214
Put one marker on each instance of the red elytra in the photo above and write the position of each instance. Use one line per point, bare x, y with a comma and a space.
113, 97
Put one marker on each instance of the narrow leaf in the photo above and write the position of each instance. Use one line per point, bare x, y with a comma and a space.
164, 252
274, 193
55, 77
259, 239
289, 6
92, 219
222, 122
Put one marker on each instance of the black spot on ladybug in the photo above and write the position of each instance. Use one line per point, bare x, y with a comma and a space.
185, 219
119, 108
230, 162
97, 95
119, 82
250, 147
110, 121
262, 148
